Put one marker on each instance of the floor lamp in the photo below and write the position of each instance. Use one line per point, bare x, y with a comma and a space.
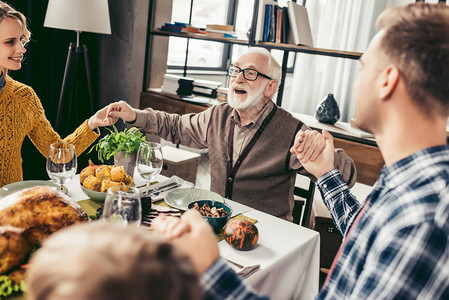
77, 15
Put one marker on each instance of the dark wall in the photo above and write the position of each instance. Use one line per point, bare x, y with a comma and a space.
115, 53
44, 64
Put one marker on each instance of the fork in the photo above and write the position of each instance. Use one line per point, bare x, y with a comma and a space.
156, 193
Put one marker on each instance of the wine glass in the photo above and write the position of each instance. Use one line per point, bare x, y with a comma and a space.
122, 206
61, 163
149, 161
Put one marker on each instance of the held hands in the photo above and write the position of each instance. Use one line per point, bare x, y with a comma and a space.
121, 110
308, 145
193, 235
316, 158
109, 115
100, 118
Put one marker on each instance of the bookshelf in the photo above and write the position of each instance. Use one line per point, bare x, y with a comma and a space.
198, 37
286, 48
268, 45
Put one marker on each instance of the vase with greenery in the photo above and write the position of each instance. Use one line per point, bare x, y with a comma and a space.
122, 145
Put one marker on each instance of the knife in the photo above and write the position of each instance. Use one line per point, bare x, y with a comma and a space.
161, 187
166, 188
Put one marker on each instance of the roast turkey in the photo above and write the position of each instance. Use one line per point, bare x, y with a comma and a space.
13, 247
36, 213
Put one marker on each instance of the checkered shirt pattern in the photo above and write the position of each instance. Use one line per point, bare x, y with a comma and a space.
400, 247
221, 282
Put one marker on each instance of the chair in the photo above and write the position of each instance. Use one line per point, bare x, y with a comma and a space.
303, 205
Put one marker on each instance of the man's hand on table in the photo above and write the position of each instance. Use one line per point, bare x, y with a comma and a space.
193, 235
316, 158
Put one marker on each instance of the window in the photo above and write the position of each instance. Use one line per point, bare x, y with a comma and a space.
206, 55
200, 54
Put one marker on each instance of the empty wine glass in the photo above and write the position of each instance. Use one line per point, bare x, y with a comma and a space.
122, 206
149, 161
61, 163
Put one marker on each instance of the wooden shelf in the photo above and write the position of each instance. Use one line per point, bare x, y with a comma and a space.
310, 50
285, 47
198, 36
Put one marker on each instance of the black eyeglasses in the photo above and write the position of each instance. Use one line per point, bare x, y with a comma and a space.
248, 74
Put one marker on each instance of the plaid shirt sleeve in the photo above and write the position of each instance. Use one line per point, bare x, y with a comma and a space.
221, 282
341, 204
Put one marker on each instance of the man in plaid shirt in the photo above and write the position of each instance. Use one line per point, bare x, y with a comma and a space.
396, 243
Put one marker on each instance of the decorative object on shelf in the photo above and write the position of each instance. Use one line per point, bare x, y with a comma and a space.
175, 84
220, 31
299, 24
328, 111
206, 88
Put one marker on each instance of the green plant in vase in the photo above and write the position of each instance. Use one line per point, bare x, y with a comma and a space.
123, 146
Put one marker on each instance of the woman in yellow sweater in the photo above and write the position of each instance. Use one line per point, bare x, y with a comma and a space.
21, 112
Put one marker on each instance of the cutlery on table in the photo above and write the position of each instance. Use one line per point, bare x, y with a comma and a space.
245, 271
160, 187
235, 264
167, 188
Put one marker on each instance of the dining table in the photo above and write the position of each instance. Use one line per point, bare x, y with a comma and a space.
285, 261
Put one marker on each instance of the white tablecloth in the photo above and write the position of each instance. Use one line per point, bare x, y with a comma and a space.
288, 254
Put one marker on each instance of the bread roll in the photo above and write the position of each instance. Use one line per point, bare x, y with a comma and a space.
87, 171
92, 183
118, 173
105, 184
103, 172
128, 180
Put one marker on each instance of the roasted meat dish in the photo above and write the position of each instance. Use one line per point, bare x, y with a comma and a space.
28, 217
13, 247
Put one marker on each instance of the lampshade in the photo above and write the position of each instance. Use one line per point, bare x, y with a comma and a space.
79, 15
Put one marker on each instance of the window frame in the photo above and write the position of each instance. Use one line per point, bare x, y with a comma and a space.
231, 17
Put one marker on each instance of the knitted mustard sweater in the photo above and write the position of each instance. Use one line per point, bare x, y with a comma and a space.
22, 114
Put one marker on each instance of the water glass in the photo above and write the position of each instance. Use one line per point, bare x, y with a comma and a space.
122, 206
149, 161
61, 163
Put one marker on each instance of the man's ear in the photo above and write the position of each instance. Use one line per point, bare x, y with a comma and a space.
270, 88
389, 79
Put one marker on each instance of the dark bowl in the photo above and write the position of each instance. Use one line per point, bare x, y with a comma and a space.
219, 222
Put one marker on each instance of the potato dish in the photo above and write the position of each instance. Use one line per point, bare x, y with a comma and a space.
100, 178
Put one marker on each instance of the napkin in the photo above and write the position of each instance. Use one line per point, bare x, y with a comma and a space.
174, 178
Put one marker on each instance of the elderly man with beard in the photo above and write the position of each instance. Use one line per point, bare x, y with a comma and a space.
248, 138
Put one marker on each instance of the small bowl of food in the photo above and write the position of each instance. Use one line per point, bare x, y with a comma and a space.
216, 213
